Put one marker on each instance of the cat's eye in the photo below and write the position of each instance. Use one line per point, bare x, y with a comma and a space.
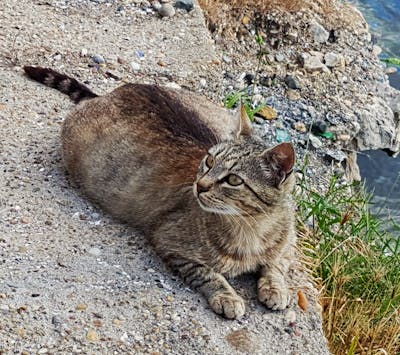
234, 180
210, 161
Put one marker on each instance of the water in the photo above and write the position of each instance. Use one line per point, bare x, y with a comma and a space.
381, 172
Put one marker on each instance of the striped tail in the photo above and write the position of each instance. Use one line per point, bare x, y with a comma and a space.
69, 86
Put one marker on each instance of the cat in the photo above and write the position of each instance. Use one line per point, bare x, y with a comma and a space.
214, 200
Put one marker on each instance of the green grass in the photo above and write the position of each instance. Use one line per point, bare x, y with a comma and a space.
357, 268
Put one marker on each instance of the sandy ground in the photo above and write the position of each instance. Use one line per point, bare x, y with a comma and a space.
73, 280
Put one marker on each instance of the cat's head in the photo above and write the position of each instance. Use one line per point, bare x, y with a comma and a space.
244, 176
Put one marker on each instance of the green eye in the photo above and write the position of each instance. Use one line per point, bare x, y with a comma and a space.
210, 161
234, 180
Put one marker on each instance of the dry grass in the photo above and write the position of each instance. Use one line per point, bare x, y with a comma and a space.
357, 270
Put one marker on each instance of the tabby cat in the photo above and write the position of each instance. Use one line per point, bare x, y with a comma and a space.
213, 199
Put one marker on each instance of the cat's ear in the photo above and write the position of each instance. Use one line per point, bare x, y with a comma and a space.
245, 128
281, 158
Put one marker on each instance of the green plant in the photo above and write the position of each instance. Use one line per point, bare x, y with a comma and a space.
356, 265
241, 97
392, 60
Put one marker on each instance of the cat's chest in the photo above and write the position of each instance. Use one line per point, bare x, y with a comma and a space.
241, 254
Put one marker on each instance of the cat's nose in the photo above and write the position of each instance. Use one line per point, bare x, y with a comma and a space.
202, 187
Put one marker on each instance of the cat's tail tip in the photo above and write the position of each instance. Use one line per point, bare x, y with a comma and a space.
69, 86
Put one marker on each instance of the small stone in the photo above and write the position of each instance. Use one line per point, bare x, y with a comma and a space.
135, 66
293, 94
161, 63
81, 307
268, 113
187, 5
156, 5
22, 249
94, 251
92, 336
84, 52
344, 137
226, 59
4, 307
173, 85
121, 60
290, 316
166, 10
203, 83
57, 57
390, 70
312, 63
170, 298
315, 142
282, 135
279, 57
98, 59
300, 127
117, 322
293, 82
376, 50
57, 321
124, 337
26, 220
338, 155
43, 351
319, 127
319, 33
333, 60
246, 20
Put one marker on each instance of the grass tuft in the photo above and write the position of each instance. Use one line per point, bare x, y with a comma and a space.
357, 268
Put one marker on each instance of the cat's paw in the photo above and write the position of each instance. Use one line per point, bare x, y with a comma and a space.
273, 296
228, 305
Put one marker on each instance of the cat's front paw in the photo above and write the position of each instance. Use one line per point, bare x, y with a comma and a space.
274, 296
228, 305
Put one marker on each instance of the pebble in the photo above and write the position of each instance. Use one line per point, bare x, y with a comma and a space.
282, 135
338, 155
344, 137
98, 59
94, 251
26, 220
268, 113
300, 126
43, 351
203, 83
124, 337
293, 82
319, 33
293, 94
319, 127
135, 66
92, 335
315, 142
187, 5
156, 5
81, 307
376, 50
333, 60
290, 316
166, 10
173, 85
390, 70
312, 63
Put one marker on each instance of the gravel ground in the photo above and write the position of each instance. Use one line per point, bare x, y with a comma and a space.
73, 280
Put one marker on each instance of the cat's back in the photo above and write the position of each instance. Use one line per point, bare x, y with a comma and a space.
140, 141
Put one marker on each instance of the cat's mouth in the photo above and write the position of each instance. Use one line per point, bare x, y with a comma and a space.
210, 206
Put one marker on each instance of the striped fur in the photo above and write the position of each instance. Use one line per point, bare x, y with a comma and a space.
161, 159
69, 86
